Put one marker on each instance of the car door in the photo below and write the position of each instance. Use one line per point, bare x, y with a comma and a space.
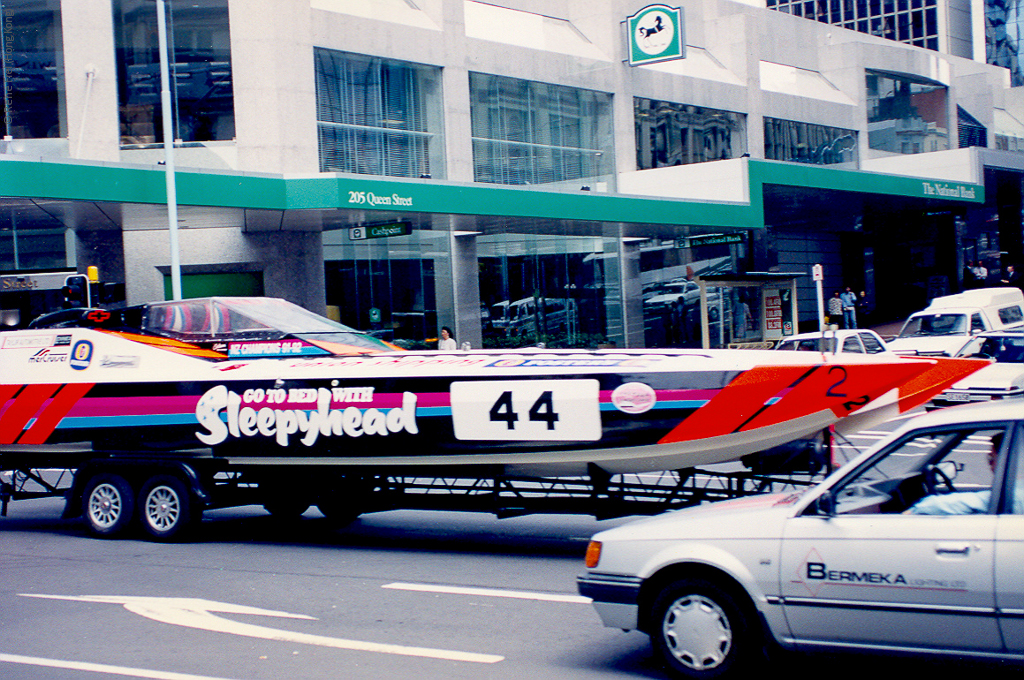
871, 575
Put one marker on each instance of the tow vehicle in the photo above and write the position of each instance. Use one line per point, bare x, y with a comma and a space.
913, 547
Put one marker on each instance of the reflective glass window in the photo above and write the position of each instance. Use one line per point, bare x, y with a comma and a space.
527, 132
559, 290
788, 140
378, 116
679, 134
1004, 25
906, 114
32, 50
31, 238
199, 45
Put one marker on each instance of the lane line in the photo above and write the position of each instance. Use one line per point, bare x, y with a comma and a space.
101, 668
488, 592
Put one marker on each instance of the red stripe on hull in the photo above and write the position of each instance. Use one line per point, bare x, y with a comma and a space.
51, 416
21, 411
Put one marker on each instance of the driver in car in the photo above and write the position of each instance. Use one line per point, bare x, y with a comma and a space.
965, 502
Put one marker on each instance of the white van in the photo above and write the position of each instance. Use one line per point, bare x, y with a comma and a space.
948, 322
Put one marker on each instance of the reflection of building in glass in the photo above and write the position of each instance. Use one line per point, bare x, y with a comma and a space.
202, 95
677, 134
905, 115
378, 116
31, 50
536, 133
1004, 27
788, 140
915, 22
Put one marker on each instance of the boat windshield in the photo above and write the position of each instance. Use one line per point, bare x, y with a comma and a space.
935, 324
226, 319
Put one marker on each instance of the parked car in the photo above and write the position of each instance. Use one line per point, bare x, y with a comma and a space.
1004, 379
857, 340
850, 564
944, 326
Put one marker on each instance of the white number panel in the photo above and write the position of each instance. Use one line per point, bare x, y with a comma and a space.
526, 410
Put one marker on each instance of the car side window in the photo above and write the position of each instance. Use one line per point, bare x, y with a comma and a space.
977, 325
852, 344
871, 343
947, 472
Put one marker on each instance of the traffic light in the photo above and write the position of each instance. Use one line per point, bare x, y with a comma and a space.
75, 292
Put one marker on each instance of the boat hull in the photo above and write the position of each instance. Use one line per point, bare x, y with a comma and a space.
536, 412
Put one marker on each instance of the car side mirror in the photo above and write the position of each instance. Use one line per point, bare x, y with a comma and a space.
825, 504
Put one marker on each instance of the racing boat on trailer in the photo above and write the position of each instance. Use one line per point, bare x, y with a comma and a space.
260, 381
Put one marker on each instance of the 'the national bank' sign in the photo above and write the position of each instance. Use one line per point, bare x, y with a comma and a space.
656, 34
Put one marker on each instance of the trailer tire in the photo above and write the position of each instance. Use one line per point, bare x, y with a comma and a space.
338, 513
108, 504
165, 508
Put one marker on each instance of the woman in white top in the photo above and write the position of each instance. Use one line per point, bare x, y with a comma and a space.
447, 340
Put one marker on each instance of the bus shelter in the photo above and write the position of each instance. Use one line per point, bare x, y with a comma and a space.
747, 311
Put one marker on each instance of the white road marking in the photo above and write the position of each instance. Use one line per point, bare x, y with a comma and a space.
196, 613
489, 592
106, 669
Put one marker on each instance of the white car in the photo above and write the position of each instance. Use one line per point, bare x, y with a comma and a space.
859, 341
849, 564
1004, 379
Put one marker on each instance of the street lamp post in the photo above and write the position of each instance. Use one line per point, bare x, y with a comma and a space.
165, 112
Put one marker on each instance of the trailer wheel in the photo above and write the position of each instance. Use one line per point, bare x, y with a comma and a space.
165, 507
108, 504
338, 512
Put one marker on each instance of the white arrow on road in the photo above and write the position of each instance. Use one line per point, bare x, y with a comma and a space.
198, 613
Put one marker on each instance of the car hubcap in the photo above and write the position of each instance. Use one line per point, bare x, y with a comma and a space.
162, 508
105, 505
697, 632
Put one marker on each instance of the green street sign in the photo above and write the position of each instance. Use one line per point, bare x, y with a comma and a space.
380, 231
656, 33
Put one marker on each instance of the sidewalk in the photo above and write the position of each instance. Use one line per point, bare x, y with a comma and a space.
888, 331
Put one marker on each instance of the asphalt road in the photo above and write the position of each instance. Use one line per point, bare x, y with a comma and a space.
402, 594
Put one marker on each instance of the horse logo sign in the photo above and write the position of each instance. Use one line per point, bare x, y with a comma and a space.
656, 34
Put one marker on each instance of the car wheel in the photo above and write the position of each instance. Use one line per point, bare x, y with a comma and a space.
165, 507
108, 504
700, 631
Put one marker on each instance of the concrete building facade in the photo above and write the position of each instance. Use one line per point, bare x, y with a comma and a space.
502, 167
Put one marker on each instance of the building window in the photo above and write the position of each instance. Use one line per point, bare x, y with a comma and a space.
789, 140
678, 134
913, 23
199, 46
906, 114
32, 49
378, 116
1004, 30
535, 133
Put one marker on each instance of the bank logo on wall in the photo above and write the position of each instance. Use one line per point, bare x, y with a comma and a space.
656, 34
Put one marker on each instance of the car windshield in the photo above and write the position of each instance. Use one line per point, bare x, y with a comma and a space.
935, 324
1002, 349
